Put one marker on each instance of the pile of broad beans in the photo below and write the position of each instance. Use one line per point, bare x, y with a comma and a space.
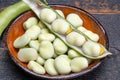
46, 53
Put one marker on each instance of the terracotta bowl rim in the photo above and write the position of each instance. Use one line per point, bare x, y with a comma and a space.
69, 76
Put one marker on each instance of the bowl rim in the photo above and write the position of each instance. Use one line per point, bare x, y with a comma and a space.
69, 76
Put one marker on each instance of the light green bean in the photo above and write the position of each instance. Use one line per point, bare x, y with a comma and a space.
35, 67
27, 54
30, 22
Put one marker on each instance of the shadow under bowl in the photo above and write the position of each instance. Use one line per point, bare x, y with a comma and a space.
16, 29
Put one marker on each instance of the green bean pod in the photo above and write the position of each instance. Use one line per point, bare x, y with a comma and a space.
78, 49
11, 12
61, 36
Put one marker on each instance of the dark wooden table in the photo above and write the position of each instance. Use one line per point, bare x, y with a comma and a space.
106, 11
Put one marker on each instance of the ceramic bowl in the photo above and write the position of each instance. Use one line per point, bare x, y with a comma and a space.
16, 29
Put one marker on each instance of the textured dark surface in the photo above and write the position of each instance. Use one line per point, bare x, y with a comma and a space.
107, 12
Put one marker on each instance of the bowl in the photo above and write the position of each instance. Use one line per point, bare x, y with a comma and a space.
16, 29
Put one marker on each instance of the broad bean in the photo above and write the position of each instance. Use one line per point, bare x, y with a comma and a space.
82, 29
62, 65
35, 67
60, 13
46, 49
74, 19
65, 57
72, 54
60, 26
34, 44
90, 34
59, 46
48, 15
27, 54
46, 37
50, 68
75, 38
78, 64
40, 60
44, 30
21, 41
30, 22
33, 32
91, 48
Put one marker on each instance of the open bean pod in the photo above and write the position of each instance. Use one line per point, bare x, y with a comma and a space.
76, 48
39, 6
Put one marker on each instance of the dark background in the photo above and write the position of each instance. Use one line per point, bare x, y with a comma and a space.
106, 11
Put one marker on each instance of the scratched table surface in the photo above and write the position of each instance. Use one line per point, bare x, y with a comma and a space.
106, 11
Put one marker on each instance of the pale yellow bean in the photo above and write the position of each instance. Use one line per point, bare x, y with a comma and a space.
60, 13
46, 37
62, 65
30, 22
60, 26
74, 19
21, 41
50, 68
40, 60
35, 67
59, 46
46, 49
27, 54
92, 35
78, 64
72, 54
95, 37
82, 29
48, 15
75, 38
34, 44
33, 32
91, 48
65, 57
44, 30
